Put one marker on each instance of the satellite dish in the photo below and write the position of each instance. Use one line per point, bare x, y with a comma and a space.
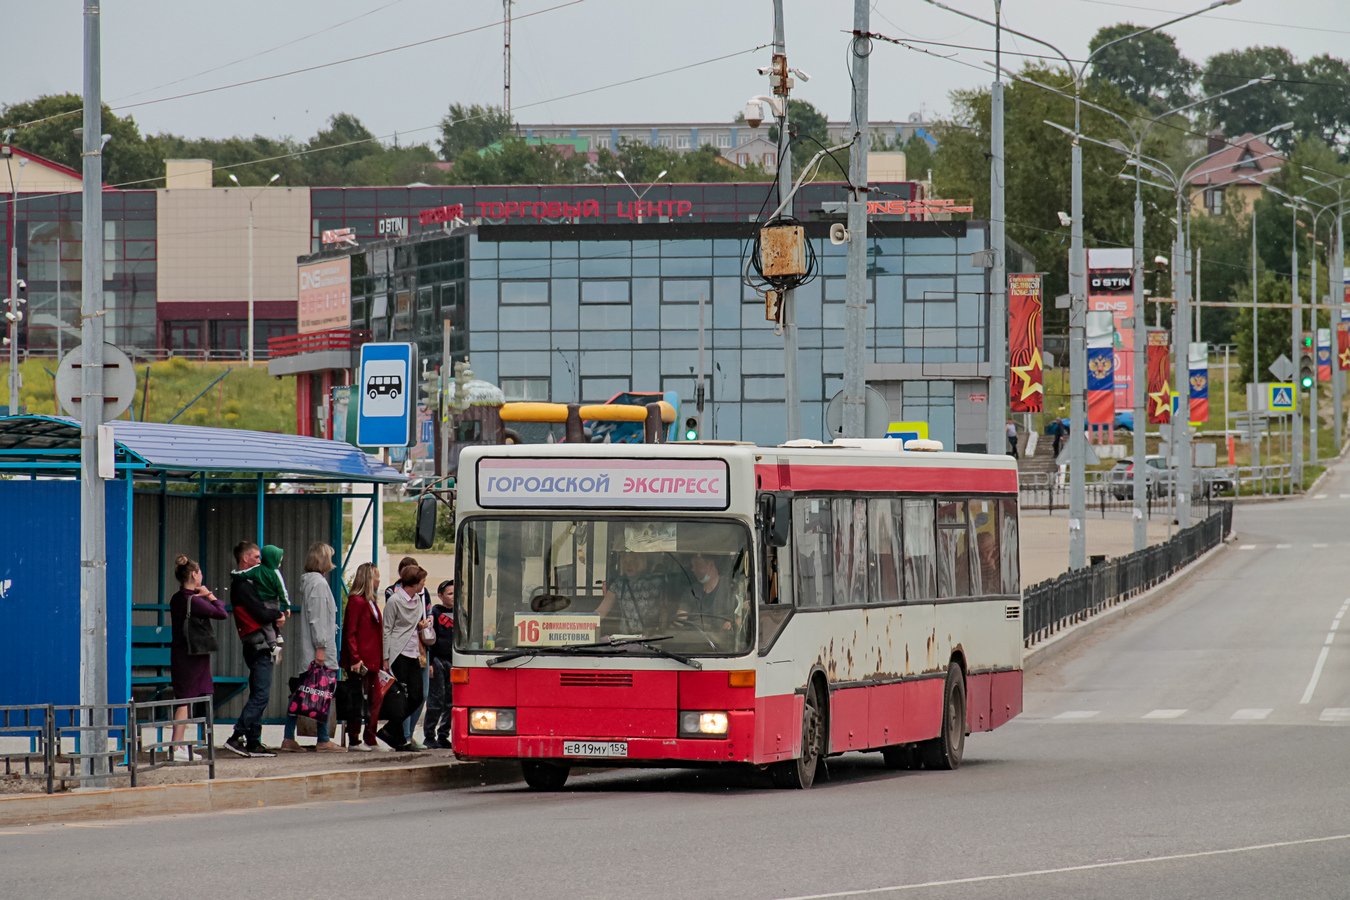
877, 418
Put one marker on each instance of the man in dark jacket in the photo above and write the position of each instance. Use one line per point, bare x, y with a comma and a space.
257, 622
436, 726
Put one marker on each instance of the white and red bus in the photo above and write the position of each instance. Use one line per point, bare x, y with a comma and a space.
689, 604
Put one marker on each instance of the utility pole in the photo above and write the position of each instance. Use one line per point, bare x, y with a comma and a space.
1296, 321
1140, 328
998, 298
792, 398
93, 540
1337, 297
15, 379
855, 285
1077, 362
1312, 314
506, 58
1181, 329
1255, 449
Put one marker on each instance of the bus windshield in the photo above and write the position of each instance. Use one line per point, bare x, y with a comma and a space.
553, 583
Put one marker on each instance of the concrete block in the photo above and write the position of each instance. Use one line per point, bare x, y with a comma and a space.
343, 785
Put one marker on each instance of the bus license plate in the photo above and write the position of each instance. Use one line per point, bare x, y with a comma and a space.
595, 748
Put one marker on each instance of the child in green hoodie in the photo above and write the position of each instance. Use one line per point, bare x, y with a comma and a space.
267, 578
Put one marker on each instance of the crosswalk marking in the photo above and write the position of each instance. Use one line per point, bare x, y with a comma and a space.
1247, 547
1319, 496
1251, 714
1164, 714
1078, 714
1335, 714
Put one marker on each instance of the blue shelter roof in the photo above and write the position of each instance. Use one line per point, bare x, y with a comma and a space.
190, 448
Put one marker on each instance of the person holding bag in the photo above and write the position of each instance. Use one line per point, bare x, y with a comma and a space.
318, 640
363, 653
406, 629
191, 610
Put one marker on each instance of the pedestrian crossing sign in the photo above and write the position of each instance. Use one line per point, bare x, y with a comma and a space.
1282, 397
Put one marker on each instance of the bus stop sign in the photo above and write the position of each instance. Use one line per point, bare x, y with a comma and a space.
386, 411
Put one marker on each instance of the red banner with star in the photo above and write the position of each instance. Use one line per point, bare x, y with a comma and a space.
1343, 346
1026, 387
1159, 378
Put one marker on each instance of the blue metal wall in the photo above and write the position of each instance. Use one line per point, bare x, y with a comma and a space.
40, 592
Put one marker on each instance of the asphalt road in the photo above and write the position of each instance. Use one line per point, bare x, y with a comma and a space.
1173, 755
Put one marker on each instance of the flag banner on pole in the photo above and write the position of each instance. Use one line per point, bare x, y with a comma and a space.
1111, 289
1101, 399
1159, 377
1324, 354
1343, 345
1199, 366
1026, 387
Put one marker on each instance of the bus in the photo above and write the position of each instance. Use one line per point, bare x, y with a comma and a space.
701, 603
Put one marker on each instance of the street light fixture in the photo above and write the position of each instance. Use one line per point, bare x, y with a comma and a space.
644, 191
231, 176
1078, 281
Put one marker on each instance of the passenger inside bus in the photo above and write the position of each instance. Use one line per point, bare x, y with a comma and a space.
637, 597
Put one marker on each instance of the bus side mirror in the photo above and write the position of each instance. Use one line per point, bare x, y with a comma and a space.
780, 525
425, 532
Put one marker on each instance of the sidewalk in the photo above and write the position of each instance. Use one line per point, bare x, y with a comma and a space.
1045, 540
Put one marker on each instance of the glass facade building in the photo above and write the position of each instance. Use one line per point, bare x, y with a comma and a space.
567, 313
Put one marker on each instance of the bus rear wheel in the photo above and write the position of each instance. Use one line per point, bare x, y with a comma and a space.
800, 773
543, 776
945, 750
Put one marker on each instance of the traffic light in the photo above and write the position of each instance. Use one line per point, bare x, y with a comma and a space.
691, 428
431, 391
1307, 361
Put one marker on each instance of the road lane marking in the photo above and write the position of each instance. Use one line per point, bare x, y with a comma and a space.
1283, 546
1164, 714
1251, 715
1331, 637
1345, 496
1088, 867
1317, 673
1247, 547
1319, 496
1335, 623
1078, 714
1335, 714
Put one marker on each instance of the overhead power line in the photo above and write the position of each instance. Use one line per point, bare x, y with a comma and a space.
1220, 18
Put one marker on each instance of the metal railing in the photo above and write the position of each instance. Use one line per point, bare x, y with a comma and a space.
1266, 480
1073, 597
313, 342
58, 738
1106, 491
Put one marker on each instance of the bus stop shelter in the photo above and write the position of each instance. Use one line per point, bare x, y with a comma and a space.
178, 489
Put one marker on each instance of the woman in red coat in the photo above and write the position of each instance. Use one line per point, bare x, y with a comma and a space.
363, 648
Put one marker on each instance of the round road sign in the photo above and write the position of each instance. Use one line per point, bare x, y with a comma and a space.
119, 382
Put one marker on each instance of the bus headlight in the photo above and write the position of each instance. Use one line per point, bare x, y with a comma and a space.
703, 724
492, 721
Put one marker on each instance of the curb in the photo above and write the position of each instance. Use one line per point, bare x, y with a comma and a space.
247, 793
1066, 639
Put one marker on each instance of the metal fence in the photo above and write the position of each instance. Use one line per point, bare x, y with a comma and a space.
1075, 596
1108, 491
53, 742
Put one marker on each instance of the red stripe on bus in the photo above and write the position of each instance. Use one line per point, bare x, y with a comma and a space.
889, 478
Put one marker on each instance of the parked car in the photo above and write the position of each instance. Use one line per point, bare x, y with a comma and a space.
1124, 421
1158, 483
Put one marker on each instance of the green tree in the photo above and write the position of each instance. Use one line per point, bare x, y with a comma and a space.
1272, 325
809, 130
335, 148
516, 162
126, 158
1261, 106
1325, 100
472, 128
1148, 70
252, 160
920, 156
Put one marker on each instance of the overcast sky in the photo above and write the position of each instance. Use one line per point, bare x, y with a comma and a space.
155, 49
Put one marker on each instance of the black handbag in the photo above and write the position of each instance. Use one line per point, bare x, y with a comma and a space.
350, 699
199, 634
394, 707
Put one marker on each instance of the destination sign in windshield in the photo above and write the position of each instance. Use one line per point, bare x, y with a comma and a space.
608, 483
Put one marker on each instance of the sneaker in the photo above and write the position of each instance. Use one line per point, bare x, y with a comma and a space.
238, 745
258, 748
360, 748
431, 743
330, 747
290, 745
414, 746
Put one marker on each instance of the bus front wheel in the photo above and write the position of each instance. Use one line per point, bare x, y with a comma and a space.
542, 776
800, 773
945, 750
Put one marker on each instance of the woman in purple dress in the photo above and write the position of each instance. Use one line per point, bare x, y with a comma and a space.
191, 675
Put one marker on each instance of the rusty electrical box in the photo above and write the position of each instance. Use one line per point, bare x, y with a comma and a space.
782, 250
773, 306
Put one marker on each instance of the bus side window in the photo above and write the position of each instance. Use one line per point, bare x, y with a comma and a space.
988, 567
883, 528
953, 549
850, 550
812, 537
920, 552
1009, 551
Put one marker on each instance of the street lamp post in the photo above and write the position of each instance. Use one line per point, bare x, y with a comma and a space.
1078, 281
644, 190
1336, 279
250, 254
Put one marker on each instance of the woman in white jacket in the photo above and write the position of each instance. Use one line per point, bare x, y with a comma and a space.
318, 636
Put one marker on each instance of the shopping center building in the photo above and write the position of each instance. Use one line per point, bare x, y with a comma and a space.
570, 292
